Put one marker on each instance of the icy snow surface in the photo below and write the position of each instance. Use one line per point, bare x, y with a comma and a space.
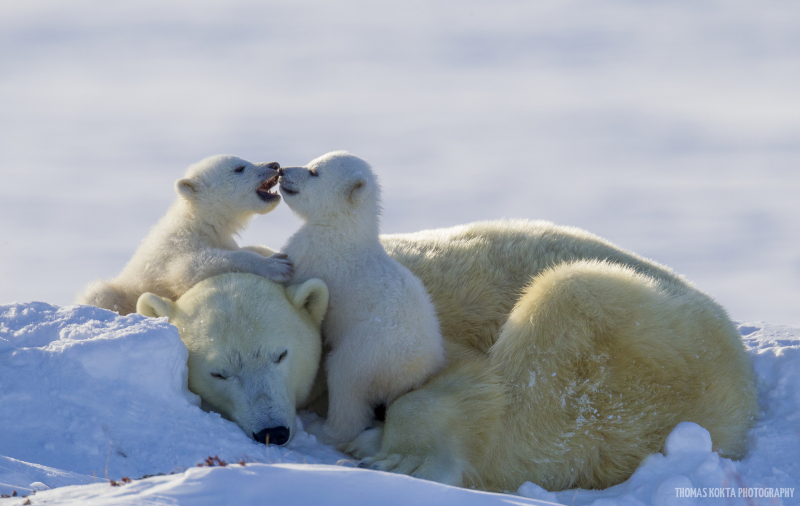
87, 395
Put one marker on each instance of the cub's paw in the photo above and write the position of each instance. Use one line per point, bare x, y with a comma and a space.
279, 268
366, 444
442, 468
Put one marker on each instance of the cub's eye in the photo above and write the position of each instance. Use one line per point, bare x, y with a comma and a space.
239, 169
218, 376
313, 173
281, 357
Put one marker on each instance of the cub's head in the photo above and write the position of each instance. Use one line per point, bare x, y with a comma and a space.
254, 347
231, 187
333, 185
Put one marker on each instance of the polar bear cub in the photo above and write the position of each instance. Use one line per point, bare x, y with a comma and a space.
382, 327
216, 199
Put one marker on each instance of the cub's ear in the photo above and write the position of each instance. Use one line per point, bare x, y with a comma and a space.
310, 296
358, 190
187, 187
150, 304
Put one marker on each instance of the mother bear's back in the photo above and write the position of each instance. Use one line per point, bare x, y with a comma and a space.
469, 270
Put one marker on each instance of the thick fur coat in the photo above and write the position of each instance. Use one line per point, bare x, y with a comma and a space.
569, 361
381, 327
194, 240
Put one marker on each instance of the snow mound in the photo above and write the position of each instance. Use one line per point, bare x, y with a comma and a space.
279, 484
87, 395
687, 437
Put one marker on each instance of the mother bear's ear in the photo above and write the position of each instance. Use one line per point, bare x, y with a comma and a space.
310, 296
150, 304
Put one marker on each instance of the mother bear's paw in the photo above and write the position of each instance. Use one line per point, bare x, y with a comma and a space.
367, 444
441, 468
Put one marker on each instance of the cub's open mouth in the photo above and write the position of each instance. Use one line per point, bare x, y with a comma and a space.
265, 190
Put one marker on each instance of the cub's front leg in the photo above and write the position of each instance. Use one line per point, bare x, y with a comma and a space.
349, 406
186, 271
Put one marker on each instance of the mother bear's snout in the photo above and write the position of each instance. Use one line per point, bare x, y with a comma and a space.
273, 435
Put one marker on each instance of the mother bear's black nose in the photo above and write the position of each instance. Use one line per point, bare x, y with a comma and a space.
273, 435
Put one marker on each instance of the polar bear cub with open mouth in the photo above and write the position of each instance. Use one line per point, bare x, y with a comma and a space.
216, 199
381, 326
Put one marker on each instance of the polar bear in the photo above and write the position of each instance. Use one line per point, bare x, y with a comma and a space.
569, 361
381, 328
216, 199
254, 347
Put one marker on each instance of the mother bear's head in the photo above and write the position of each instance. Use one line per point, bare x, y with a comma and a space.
254, 347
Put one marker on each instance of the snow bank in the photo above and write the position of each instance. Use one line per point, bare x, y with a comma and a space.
86, 394
284, 484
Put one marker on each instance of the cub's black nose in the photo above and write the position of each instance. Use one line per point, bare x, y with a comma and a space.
273, 435
280, 172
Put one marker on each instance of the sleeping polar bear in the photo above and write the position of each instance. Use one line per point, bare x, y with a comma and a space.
569, 361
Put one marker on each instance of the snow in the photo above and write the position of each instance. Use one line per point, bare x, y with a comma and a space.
277, 484
687, 437
88, 396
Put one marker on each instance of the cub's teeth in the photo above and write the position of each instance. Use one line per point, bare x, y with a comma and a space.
268, 184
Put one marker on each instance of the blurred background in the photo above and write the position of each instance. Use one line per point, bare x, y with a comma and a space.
671, 128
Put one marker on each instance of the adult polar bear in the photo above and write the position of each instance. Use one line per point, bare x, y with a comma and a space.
569, 361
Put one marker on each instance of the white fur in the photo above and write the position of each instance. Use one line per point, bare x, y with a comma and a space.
254, 347
194, 240
382, 327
